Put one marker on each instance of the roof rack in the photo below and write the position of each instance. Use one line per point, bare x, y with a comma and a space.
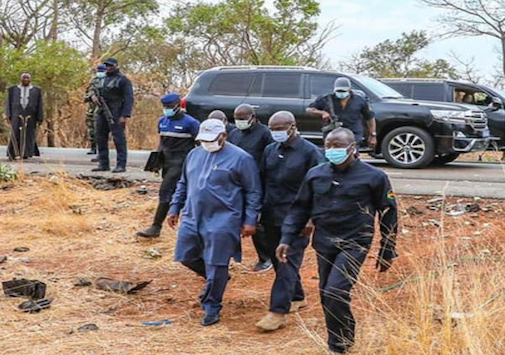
252, 67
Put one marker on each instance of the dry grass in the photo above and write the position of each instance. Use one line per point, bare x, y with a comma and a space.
74, 231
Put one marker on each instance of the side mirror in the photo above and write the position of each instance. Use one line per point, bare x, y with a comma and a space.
496, 104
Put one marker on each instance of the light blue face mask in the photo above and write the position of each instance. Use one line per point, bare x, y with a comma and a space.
101, 74
342, 95
337, 156
169, 112
280, 136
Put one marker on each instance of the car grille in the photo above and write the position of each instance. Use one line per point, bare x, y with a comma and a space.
476, 119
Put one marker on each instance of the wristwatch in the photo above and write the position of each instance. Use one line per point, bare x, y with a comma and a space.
373, 134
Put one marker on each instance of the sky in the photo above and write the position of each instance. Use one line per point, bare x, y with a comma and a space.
368, 22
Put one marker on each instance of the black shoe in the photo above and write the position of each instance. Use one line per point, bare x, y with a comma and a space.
263, 266
101, 168
119, 169
151, 232
94, 160
92, 151
210, 319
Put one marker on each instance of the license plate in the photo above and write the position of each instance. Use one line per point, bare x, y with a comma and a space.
486, 133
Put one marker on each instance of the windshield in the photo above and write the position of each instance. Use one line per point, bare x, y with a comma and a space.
500, 92
381, 90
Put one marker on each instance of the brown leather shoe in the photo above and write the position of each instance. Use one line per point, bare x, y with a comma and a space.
272, 321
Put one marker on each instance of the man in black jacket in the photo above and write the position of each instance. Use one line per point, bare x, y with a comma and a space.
117, 93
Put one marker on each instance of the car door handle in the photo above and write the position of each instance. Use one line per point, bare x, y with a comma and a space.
255, 106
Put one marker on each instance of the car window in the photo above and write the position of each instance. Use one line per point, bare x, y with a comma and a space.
321, 85
429, 91
282, 85
231, 84
471, 96
403, 88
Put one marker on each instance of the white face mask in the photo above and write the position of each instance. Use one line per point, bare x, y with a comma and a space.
243, 124
211, 147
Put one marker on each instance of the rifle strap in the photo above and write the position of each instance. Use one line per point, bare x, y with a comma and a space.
331, 105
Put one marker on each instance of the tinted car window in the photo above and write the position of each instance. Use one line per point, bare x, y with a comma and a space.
430, 92
321, 85
231, 84
282, 85
403, 88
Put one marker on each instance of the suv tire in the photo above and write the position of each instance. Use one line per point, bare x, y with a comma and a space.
445, 158
408, 148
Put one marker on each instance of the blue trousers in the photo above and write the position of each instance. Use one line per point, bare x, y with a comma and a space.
103, 129
216, 279
338, 272
287, 285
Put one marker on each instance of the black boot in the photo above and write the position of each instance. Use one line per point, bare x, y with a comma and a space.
92, 151
159, 217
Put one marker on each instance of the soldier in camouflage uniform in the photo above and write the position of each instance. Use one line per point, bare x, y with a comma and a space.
92, 108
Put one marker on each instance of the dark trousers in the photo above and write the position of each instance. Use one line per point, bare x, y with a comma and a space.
338, 272
23, 139
171, 173
216, 280
287, 285
261, 245
103, 129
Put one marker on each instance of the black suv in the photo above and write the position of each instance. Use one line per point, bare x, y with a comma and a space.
410, 134
492, 101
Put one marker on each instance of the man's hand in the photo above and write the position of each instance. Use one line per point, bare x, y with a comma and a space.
382, 264
248, 231
372, 141
173, 220
308, 229
281, 253
325, 116
96, 100
122, 120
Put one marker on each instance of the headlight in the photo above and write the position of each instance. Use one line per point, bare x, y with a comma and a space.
449, 115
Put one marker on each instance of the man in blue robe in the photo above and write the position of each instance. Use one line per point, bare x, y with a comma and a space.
219, 194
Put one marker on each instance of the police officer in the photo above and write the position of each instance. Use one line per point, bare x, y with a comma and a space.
342, 198
220, 115
253, 137
284, 165
177, 132
92, 107
351, 110
219, 194
117, 92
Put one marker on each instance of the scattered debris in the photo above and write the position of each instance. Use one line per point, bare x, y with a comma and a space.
76, 209
472, 208
21, 249
435, 222
413, 211
157, 324
107, 284
88, 328
3, 259
142, 190
107, 183
35, 306
83, 283
153, 254
7, 173
435, 200
33, 289
485, 251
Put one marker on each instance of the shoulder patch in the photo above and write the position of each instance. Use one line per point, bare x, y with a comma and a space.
391, 195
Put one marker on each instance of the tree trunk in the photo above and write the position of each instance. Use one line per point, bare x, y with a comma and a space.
53, 33
97, 34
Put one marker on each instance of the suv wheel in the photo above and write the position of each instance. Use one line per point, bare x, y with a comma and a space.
408, 148
445, 158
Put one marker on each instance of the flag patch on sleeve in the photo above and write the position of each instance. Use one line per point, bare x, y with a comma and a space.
391, 195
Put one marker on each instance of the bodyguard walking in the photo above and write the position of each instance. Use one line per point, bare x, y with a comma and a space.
116, 96
342, 197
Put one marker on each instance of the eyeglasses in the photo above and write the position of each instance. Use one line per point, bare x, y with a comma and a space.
341, 91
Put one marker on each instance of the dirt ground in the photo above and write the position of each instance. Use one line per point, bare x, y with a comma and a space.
74, 231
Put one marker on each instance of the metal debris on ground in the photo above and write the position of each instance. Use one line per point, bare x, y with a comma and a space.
88, 328
157, 324
35, 306
472, 208
83, 283
414, 211
142, 190
456, 210
153, 254
107, 183
33, 289
107, 284
21, 249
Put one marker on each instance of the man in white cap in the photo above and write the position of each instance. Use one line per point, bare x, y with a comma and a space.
219, 195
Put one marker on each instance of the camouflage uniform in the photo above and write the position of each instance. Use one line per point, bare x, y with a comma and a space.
92, 89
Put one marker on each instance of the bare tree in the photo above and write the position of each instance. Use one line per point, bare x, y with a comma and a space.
473, 18
466, 68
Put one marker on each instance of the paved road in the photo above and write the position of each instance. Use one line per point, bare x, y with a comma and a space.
485, 180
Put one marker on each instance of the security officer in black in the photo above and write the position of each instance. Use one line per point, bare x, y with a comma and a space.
253, 136
284, 165
117, 92
177, 131
342, 198
351, 110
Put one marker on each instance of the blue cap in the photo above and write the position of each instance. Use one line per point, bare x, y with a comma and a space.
169, 98
101, 67
110, 61
210, 129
